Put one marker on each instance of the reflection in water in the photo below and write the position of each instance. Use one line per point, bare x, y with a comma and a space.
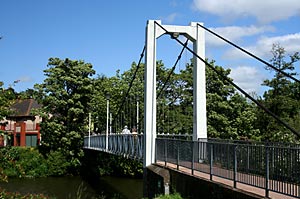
72, 187
129, 188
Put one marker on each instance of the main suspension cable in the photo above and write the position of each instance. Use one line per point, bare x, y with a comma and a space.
250, 54
234, 85
133, 78
173, 68
170, 73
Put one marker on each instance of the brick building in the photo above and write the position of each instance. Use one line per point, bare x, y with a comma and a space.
21, 128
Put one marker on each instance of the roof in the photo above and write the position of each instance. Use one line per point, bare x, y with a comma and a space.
23, 107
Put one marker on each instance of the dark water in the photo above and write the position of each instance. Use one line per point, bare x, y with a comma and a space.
76, 187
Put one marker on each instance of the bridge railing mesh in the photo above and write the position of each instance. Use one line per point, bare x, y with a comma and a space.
273, 167
127, 145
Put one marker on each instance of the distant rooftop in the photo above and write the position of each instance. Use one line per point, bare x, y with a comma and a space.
23, 107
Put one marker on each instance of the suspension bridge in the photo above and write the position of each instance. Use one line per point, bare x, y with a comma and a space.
269, 170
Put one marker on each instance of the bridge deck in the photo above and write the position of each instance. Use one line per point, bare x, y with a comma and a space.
244, 187
265, 170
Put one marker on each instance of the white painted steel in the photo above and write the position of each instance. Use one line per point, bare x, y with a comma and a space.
107, 125
196, 35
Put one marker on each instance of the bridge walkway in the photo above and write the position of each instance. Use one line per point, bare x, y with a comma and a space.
227, 182
269, 169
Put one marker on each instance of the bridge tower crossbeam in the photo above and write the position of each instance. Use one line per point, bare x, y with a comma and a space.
194, 33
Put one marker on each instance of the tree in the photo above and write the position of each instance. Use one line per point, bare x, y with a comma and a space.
3, 102
29, 93
65, 95
7, 97
229, 114
282, 98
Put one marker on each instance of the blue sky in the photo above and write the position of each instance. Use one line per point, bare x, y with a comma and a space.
111, 34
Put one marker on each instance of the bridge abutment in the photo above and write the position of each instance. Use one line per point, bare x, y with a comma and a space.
156, 181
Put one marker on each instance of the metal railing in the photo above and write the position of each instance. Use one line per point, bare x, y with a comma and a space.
271, 167
175, 136
130, 145
127, 145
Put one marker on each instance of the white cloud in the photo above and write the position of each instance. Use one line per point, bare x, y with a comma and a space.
248, 78
26, 79
173, 3
264, 11
170, 18
262, 48
234, 33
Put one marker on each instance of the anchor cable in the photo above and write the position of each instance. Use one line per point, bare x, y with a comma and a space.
250, 54
234, 85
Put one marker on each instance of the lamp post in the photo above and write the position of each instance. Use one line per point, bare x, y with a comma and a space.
89, 144
107, 119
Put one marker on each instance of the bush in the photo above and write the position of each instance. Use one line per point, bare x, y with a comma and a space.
57, 164
32, 163
171, 196
28, 162
117, 165
9, 158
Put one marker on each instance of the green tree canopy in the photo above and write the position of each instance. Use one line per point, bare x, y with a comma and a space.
7, 97
230, 115
65, 95
282, 98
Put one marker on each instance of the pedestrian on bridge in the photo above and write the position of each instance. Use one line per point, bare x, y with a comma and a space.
126, 130
134, 130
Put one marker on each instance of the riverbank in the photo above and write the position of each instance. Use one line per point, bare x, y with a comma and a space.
27, 171
77, 188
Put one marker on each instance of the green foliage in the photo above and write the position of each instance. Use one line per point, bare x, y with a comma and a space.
229, 114
32, 163
22, 162
3, 176
120, 166
65, 95
116, 86
7, 96
28, 162
101, 164
29, 93
282, 99
57, 163
171, 196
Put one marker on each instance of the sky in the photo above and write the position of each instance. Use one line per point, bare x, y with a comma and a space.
111, 34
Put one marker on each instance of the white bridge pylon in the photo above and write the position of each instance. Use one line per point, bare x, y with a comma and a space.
195, 34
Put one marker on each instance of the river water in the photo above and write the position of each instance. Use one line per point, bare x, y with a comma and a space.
77, 188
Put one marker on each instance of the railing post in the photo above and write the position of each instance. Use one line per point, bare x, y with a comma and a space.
248, 158
193, 156
267, 172
155, 158
178, 155
235, 166
211, 161
166, 151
